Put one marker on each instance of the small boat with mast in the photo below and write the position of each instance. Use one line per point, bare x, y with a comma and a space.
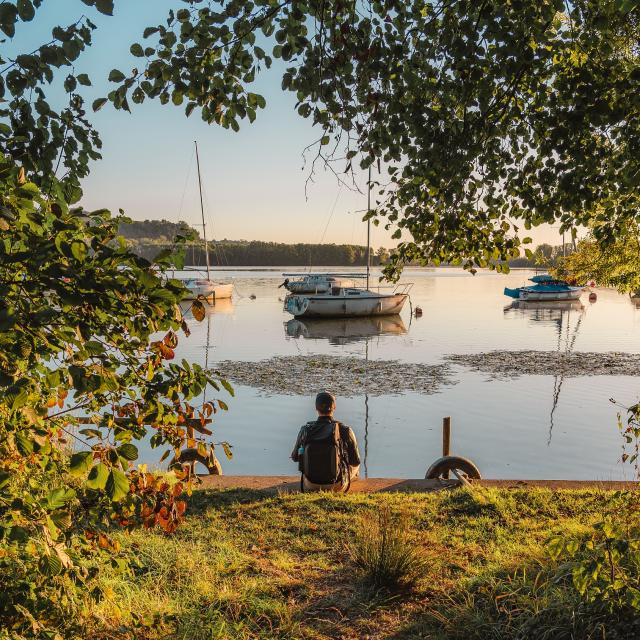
341, 301
200, 287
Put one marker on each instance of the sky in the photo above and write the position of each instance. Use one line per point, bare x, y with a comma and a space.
254, 181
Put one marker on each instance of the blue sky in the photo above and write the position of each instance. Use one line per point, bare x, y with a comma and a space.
254, 180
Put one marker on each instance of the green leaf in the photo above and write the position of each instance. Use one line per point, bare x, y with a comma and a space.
128, 451
105, 6
24, 444
19, 399
5, 477
61, 519
98, 475
50, 564
116, 76
59, 497
79, 250
26, 10
227, 386
137, 50
555, 547
80, 462
227, 450
117, 486
99, 103
84, 79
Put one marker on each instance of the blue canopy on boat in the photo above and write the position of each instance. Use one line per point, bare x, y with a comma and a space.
544, 277
512, 293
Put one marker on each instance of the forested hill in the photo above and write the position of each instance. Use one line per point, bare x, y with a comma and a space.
155, 231
148, 237
264, 254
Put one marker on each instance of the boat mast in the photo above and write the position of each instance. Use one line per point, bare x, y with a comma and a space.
368, 227
204, 226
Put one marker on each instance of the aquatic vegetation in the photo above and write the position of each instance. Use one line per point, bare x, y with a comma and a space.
550, 363
344, 375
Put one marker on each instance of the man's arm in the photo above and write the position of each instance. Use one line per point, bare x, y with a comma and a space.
294, 454
352, 446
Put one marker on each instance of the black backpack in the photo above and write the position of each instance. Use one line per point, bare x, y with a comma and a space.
325, 459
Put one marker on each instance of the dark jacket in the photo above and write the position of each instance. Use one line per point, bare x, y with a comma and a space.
346, 434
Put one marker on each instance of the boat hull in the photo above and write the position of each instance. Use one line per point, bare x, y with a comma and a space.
344, 306
207, 289
540, 296
535, 294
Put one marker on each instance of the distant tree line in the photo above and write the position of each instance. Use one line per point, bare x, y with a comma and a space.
148, 237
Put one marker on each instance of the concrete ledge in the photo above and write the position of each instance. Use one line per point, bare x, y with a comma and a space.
290, 484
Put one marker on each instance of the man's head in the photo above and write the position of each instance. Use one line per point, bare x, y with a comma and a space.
325, 404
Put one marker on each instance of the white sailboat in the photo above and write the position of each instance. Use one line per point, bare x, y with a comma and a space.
348, 301
201, 287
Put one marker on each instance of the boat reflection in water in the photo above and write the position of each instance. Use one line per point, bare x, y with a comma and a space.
221, 305
557, 314
545, 312
344, 330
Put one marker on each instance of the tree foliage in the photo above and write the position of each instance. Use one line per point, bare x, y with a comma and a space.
486, 117
88, 332
86, 329
482, 117
616, 264
156, 230
604, 565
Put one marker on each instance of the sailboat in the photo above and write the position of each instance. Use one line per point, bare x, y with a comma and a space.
349, 301
200, 287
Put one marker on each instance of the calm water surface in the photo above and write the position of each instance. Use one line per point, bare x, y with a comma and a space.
509, 428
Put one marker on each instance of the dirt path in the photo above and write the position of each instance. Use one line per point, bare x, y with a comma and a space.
275, 484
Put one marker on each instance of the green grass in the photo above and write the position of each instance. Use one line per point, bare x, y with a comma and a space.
246, 565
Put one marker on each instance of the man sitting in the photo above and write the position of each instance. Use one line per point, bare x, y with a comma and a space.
326, 450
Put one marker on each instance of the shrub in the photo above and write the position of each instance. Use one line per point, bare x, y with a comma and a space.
605, 565
384, 552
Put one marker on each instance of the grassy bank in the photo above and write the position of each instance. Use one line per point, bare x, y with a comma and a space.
246, 565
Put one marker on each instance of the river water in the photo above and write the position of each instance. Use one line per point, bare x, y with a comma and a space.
526, 427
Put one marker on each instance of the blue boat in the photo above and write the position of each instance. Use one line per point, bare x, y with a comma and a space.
545, 287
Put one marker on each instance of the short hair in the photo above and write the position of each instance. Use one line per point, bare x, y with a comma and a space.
325, 402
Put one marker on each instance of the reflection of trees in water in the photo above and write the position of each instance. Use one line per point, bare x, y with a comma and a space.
552, 314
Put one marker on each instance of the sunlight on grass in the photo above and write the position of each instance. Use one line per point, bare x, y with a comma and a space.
246, 565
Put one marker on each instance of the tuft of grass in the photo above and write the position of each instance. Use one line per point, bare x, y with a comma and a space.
384, 552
